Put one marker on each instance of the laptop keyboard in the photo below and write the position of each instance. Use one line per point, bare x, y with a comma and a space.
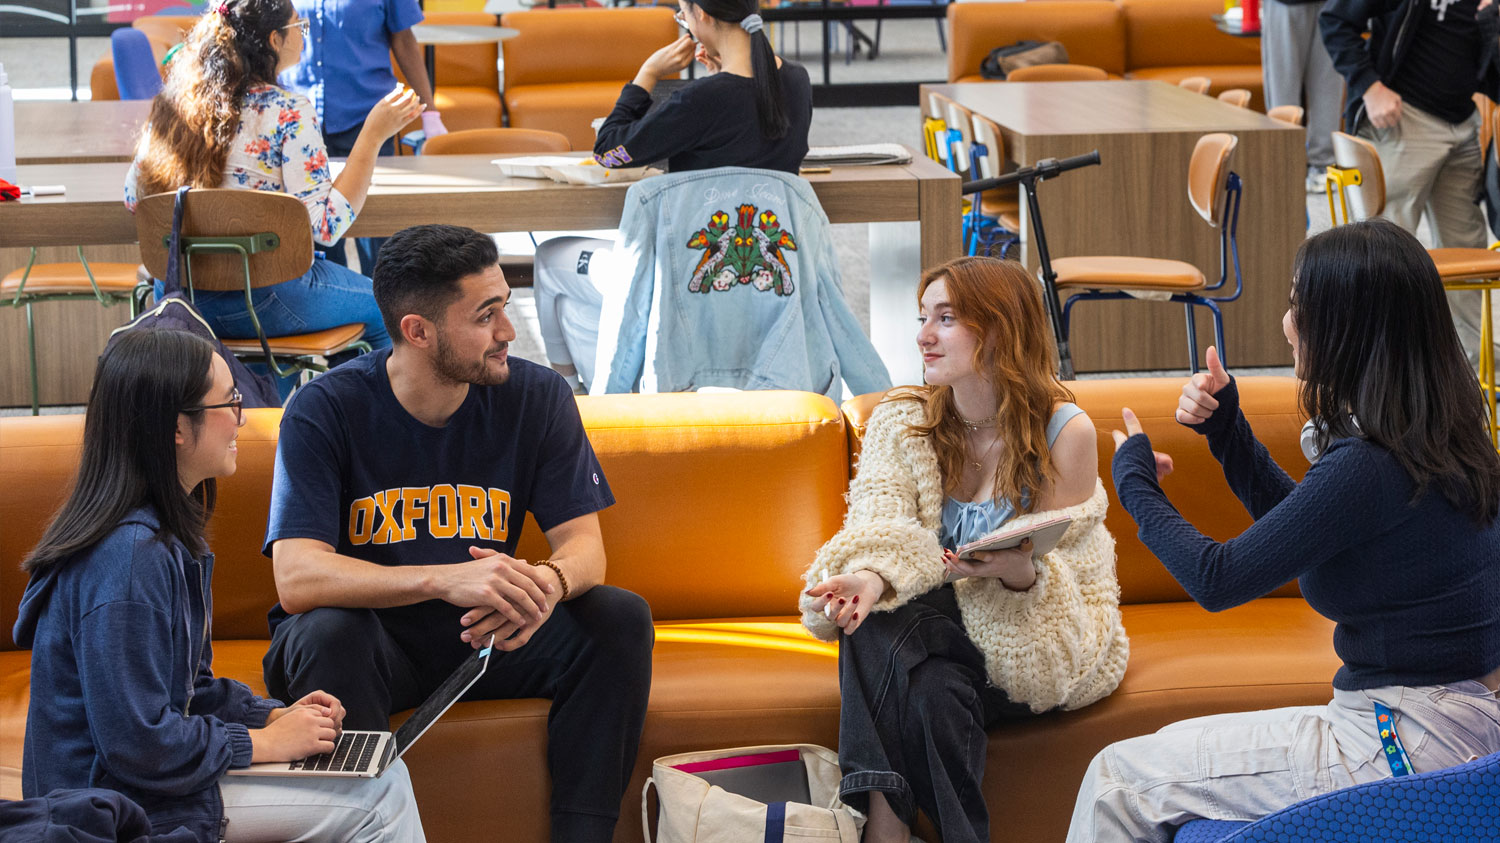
352, 754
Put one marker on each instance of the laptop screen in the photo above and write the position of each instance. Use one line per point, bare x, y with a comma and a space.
442, 699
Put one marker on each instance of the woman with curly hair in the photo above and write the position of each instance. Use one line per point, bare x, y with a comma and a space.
934, 649
222, 121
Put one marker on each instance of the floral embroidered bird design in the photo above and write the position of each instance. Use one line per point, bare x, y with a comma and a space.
747, 252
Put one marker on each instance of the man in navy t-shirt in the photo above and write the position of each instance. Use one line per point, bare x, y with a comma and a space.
402, 482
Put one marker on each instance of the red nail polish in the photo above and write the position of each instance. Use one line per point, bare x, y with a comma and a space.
856, 598
841, 601
856, 617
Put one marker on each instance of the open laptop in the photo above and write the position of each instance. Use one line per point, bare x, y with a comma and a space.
368, 754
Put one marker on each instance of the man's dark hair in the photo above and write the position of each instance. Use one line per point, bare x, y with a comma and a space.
419, 269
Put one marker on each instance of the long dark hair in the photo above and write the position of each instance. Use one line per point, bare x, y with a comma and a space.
1380, 360
770, 110
129, 454
196, 115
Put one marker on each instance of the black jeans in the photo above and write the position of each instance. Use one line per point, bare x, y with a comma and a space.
340, 144
916, 703
592, 658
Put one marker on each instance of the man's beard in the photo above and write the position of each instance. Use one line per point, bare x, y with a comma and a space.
453, 369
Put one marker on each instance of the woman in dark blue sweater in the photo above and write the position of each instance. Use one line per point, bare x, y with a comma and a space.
1392, 534
118, 612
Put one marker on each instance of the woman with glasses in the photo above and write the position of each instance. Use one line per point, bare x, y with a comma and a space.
117, 615
222, 121
753, 110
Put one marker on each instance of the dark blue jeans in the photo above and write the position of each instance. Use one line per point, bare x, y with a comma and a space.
592, 658
340, 144
916, 703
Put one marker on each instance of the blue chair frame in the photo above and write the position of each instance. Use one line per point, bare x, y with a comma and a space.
1457, 803
1229, 252
979, 230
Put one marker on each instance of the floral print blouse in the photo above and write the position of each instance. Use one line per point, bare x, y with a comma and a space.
278, 147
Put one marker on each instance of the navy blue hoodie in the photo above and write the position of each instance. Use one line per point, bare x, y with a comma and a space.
122, 694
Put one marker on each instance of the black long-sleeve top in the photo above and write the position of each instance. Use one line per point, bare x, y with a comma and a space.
708, 123
1413, 586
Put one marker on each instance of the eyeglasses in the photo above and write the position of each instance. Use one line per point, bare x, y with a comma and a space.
237, 402
304, 24
681, 21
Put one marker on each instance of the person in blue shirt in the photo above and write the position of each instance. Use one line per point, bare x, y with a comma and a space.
402, 482
1392, 534
347, 70
118, 613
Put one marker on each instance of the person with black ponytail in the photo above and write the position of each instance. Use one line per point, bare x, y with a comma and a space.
222, 121
118, 615
753, 110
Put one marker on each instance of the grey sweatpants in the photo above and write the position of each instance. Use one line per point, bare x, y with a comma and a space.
1298, 71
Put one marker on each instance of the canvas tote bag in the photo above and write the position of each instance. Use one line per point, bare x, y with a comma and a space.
695, 808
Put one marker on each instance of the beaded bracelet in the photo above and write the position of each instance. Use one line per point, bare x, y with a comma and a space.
556, 570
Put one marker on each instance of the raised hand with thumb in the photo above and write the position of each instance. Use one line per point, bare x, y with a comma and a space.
1198, 402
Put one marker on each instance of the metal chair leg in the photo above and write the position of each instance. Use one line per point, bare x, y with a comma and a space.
1192, 338
36, 404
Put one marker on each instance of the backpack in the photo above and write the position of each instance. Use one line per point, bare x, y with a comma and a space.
1002, 60
174, 312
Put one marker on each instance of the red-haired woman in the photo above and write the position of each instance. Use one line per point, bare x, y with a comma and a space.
222, 121
935, 649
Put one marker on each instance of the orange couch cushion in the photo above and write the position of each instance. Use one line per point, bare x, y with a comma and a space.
1171, 40
583, 45
569, 108
1093, 31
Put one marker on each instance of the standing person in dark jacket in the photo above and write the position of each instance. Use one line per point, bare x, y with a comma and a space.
1392, 534
1299, 72
1411, 89
117, 615
753, 111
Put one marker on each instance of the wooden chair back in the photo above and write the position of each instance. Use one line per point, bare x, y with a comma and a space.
1208, 172
497, 142
987, 134
1057, 73
1366, 199
1196, 84
228, 212
961, 126
1287, 114
1237, 97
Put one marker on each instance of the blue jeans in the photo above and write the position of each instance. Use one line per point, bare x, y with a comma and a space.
340, 144
916, 701
329, 295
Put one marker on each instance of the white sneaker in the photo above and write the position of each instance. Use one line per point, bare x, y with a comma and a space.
1317, 181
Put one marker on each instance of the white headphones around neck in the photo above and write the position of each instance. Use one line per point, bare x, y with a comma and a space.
1314, 430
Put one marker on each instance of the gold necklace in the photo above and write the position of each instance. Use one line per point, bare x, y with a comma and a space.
979, 463
981, 424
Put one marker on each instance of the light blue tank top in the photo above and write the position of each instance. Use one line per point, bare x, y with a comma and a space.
965, 521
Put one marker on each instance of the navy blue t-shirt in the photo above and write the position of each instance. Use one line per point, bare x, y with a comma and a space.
356, 470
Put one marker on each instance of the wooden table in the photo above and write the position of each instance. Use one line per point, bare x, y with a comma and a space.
78, 132
1135, 203
913, 211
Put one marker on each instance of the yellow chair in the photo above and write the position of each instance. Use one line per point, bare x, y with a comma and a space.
1358, 180
935, 128
240, 240
1057, 73
1196, 84
107, 283
1214, 192
1237, 97
1292, 114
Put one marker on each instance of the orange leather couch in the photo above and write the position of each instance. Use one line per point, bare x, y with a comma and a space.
1167, 40
567, 66
723, 499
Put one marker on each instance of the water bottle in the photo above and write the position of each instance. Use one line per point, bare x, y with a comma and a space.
7, 130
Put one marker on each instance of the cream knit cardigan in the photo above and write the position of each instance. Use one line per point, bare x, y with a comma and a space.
1059, 644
